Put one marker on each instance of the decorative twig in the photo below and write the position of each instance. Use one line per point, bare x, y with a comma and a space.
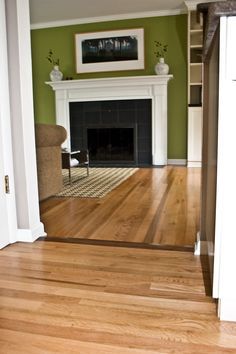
161, 49
51, 58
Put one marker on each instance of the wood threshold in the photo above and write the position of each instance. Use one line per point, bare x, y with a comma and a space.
124, 244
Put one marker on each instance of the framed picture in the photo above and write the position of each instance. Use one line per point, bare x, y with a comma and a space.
110, 50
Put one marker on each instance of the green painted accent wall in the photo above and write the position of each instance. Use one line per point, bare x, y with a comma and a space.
171, 30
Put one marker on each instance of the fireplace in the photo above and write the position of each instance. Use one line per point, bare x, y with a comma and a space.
111, 145
117, 132
152, 87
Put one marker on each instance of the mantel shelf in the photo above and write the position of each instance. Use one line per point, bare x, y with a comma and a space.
111, 81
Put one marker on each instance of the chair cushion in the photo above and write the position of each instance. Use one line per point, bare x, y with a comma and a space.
74, 162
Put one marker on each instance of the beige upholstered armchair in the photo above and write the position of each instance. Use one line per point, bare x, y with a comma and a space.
48, 150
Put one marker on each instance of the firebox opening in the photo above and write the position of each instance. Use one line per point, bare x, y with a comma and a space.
111, 145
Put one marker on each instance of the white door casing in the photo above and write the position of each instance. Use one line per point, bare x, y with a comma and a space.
224, 285
8, 222
20, 219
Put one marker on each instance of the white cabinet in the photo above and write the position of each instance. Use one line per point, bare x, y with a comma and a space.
194, 136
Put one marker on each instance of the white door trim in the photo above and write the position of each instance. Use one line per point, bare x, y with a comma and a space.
20, 208
8, 210
224, 285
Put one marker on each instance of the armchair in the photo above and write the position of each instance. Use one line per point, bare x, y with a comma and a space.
48, 139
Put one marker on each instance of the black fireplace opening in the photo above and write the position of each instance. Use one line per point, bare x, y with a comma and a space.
112, 145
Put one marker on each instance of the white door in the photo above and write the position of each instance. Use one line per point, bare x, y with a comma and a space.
8, 225
4, 226
224, 285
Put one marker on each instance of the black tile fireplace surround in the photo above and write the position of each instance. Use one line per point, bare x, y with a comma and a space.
117, 132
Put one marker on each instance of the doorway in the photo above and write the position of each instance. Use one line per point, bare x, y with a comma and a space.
155, 207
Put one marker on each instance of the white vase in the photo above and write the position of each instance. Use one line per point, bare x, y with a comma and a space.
162, 68
56, 74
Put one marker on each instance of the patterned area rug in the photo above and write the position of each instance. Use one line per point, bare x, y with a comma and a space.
99, 182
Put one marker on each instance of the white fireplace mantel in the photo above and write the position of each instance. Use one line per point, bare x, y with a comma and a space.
118, 88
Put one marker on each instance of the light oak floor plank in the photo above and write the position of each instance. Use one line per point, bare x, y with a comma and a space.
72, 298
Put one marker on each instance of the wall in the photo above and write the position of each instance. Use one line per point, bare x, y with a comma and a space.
171, 30
210, 147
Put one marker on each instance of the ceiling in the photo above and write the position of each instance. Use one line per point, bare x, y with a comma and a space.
47, 11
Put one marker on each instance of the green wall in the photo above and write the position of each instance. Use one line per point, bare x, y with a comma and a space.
171, 30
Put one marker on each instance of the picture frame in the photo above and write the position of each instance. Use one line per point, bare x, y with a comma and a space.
109, 50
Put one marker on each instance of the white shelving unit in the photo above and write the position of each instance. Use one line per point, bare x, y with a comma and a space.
195, 72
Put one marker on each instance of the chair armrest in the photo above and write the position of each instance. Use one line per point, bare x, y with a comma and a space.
81, 155
49, 135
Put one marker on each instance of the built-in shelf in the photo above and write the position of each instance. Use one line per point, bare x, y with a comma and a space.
195, 55
195, 45
196, 30
195, 73
195, 67
196, 38
195, 21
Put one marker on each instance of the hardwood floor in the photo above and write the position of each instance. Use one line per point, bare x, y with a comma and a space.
70, 298
154, 206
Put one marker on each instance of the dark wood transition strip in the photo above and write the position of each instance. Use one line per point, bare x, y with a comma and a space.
93, 242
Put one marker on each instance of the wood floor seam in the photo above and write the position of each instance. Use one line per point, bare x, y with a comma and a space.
105, 243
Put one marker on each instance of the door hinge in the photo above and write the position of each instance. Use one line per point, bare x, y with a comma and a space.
7, 185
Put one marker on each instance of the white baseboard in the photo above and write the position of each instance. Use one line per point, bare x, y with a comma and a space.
194, 164
227, 310
200, 247
30, 235
178, 162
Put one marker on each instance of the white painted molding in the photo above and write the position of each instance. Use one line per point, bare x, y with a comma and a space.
22, 120
152, 87
227, 309
8, 219
200, 247
177, 162
224, 285
195, 119
79, 21
192, 4
31, 235
221, 155
194, 164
